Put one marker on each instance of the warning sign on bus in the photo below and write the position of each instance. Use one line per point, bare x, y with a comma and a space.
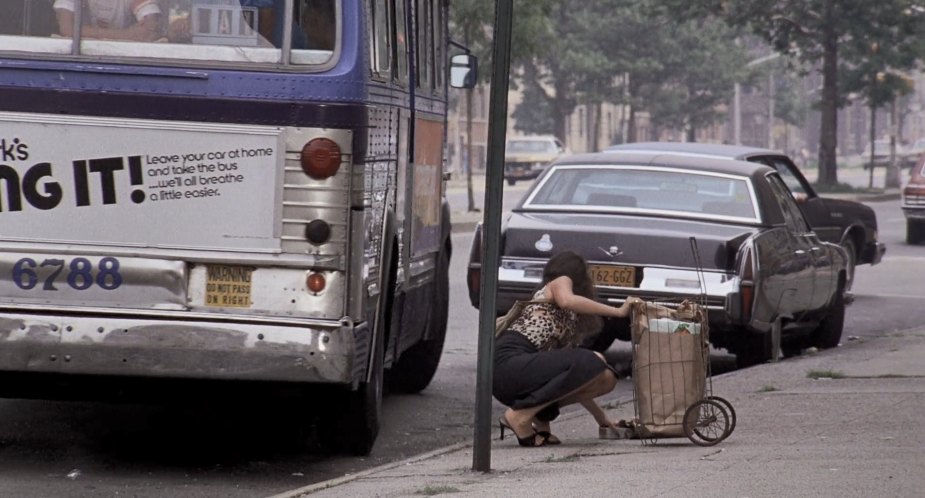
228, 286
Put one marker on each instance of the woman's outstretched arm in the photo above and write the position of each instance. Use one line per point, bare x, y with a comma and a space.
560, 291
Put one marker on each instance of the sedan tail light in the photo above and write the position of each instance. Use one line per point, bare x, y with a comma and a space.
474, 275
474, 279
747, 290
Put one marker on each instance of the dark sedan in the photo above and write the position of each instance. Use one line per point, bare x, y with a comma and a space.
764, 275
847, 223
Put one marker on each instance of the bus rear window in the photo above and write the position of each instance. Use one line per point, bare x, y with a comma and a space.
254, 31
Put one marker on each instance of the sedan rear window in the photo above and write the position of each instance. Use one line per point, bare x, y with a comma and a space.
645, 189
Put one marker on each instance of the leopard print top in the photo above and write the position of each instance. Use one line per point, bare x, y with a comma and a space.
547, 325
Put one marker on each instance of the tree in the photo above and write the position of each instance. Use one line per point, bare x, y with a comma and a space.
876, 64
471, 24
532, 115
818, 32
623, 52
702, 63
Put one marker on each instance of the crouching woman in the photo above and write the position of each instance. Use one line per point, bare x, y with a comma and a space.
539, 366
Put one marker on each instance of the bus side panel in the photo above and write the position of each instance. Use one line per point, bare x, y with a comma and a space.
428, 179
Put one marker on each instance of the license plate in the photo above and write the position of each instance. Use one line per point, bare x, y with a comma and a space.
228, 286
614, 276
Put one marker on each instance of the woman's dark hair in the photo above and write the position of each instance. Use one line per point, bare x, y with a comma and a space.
573, 266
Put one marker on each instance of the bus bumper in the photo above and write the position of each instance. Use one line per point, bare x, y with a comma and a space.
314, 352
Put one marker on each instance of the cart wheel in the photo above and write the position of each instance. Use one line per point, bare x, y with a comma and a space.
706, 423
729, 409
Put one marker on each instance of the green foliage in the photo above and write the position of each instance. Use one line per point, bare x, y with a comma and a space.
860, 45
437, 490
532, 116
624, 52
472, 23
825, 374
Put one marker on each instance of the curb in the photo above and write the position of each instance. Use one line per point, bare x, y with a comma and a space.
330, 483
338, 481
463, 227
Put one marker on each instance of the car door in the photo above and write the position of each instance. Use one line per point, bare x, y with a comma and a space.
817, 213
799, 244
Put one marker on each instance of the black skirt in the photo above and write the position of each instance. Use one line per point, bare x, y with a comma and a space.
525, 377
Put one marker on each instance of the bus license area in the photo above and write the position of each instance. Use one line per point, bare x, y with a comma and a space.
73, 279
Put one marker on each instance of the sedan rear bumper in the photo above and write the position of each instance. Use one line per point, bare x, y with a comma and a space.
519, 280
914, 213
873, 253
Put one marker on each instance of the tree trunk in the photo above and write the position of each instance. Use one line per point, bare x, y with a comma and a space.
828, 129
598, 124
631, 127
468, 162
892, 171
873, 136
560, 112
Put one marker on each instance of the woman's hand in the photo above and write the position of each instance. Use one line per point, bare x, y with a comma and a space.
627, 306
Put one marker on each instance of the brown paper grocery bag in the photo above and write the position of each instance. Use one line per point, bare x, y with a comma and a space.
669, 370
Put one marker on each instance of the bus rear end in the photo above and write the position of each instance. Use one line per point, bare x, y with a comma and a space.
195, 205
152, 248
226, 191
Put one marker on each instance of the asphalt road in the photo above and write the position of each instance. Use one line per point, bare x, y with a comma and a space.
243, 449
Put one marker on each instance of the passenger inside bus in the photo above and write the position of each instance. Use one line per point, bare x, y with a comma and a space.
257, 23
208, 22
138, 20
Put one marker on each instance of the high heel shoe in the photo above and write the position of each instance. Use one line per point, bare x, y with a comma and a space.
529, 441
550, 438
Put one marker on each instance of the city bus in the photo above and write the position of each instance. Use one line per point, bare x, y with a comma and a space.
225, 191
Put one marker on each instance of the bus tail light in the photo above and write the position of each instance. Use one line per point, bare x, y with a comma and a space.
315, 282
320, 158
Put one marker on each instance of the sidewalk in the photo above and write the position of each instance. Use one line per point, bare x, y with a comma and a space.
857, 432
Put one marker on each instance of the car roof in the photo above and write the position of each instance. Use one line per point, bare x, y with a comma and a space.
696, 148
708, 163
543, 138
703, 163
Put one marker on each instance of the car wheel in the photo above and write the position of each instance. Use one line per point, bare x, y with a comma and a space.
851, 251
351, 425
417, 366
915, 232
828, 333
511, 181
753, 349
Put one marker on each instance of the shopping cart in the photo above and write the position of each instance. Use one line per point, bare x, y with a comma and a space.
672, 385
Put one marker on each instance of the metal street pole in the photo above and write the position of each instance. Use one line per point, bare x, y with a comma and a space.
491, 231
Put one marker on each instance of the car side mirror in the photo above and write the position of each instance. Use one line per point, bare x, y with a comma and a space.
463, 71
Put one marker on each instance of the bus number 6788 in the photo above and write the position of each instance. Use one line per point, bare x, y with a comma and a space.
80, 273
